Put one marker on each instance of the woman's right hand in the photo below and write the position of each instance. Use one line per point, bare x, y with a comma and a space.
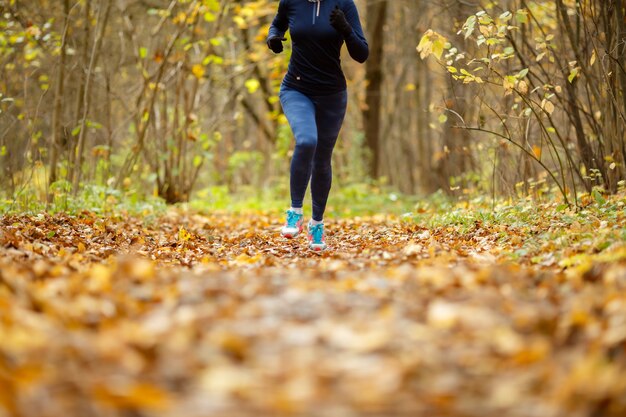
275, 43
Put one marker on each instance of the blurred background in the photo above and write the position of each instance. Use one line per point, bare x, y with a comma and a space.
177, 100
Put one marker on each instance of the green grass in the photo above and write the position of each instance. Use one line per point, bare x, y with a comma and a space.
540, 231
101, 200
358, 199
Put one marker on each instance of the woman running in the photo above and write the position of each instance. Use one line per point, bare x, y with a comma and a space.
314, 98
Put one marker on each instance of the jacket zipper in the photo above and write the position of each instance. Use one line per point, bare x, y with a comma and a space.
316, 13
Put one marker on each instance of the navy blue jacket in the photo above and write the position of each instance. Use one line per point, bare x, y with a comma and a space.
315, 65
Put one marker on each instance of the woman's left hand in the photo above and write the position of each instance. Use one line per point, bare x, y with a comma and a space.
339, 22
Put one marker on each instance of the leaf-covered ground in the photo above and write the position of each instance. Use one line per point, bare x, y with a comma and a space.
522, 313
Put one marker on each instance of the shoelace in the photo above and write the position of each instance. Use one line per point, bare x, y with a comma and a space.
317, 232
292, 218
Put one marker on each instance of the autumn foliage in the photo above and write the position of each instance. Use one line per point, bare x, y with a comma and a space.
449, 313
144, 155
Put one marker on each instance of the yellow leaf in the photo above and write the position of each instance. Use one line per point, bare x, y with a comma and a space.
181, 17
432, 43
592, 60
26, 375
522, 87
535, 352
573, 74
241, 22
537, 151
99, 278
183, 235
198, 71
140, 395
579, 317
547, 106
246, 259
509, 83
438, 46
137, 269
252, 85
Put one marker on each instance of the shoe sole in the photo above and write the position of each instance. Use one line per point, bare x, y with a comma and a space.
291, 235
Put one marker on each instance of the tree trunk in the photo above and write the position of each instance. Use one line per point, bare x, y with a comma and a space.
376, 15
78, 108
587, 155
58, 101
95, 53
621, 52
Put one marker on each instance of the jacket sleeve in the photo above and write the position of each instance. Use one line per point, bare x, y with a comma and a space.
281, 21
355, 41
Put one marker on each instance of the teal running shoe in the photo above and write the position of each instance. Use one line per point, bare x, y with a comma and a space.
294, 224
317, 238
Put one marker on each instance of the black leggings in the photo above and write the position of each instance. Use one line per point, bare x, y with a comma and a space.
315, 122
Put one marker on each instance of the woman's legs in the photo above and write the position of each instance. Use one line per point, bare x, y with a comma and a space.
331, 111
315, 123
300, 112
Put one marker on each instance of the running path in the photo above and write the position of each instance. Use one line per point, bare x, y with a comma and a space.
195, 316
225, 241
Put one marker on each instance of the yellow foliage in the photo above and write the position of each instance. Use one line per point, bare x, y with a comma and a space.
198, 71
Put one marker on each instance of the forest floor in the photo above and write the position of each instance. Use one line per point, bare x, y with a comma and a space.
522, 313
